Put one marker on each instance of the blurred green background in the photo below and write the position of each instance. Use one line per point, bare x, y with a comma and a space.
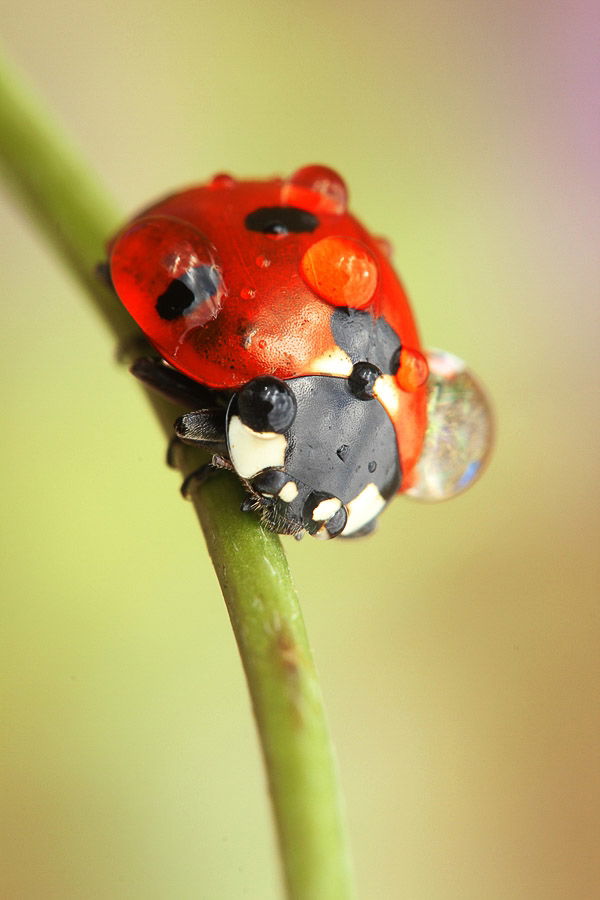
459, 647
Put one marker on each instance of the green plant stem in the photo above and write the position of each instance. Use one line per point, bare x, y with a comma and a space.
73, 212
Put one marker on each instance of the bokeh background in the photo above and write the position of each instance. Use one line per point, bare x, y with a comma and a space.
459, 647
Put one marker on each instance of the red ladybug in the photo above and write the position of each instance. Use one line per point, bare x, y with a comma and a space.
280, 304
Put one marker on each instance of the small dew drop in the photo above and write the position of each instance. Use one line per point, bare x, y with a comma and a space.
262, 344
247, 293
263, 262
222, 180
413, 370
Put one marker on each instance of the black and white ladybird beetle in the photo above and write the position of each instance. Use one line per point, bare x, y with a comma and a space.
280, 321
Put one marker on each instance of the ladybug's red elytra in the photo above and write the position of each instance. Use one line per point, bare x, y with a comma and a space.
280, 321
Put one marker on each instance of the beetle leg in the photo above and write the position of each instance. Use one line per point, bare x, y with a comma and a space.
198, 477
170, 457
173, 385
203, 428
203, 473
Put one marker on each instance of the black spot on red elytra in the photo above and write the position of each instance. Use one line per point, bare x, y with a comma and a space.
281, 220
187, 292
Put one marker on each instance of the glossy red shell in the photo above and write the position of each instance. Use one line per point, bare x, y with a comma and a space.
275, 294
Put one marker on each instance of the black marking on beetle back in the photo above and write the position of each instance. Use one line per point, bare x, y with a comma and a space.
366, 339
281, 220
186, 292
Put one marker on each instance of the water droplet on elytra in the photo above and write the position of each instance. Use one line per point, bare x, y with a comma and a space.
263, 262
247, 293
413, 370
222, 180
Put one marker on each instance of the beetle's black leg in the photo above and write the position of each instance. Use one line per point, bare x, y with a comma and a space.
250, 504
172, 384
201, 474
203, 428
221, 462
198, 476
170, 457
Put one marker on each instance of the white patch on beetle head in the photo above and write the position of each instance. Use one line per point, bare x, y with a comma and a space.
386, 391
334, 362
252, 451
288, 492
363, 508
326, 509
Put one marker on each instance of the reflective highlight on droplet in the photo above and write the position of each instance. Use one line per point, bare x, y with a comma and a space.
341, 271
459, 432
316, 188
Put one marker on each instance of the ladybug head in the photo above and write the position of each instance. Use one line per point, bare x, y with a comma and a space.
317, 453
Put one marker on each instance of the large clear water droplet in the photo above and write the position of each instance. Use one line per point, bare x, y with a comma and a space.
459, 432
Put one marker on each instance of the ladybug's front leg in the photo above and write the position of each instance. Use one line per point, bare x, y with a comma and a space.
204, 428
203, 473
173, 385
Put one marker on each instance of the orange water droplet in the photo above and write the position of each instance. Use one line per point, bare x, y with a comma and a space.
247, 293
222, 180
263, 262
413, 371
341, 271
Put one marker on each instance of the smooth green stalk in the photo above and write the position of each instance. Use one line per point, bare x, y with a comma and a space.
72, 210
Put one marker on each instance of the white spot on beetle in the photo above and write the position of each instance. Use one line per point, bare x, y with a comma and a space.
326, 509
363, 508
252, 451
288, 492
334, 362
386, 390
